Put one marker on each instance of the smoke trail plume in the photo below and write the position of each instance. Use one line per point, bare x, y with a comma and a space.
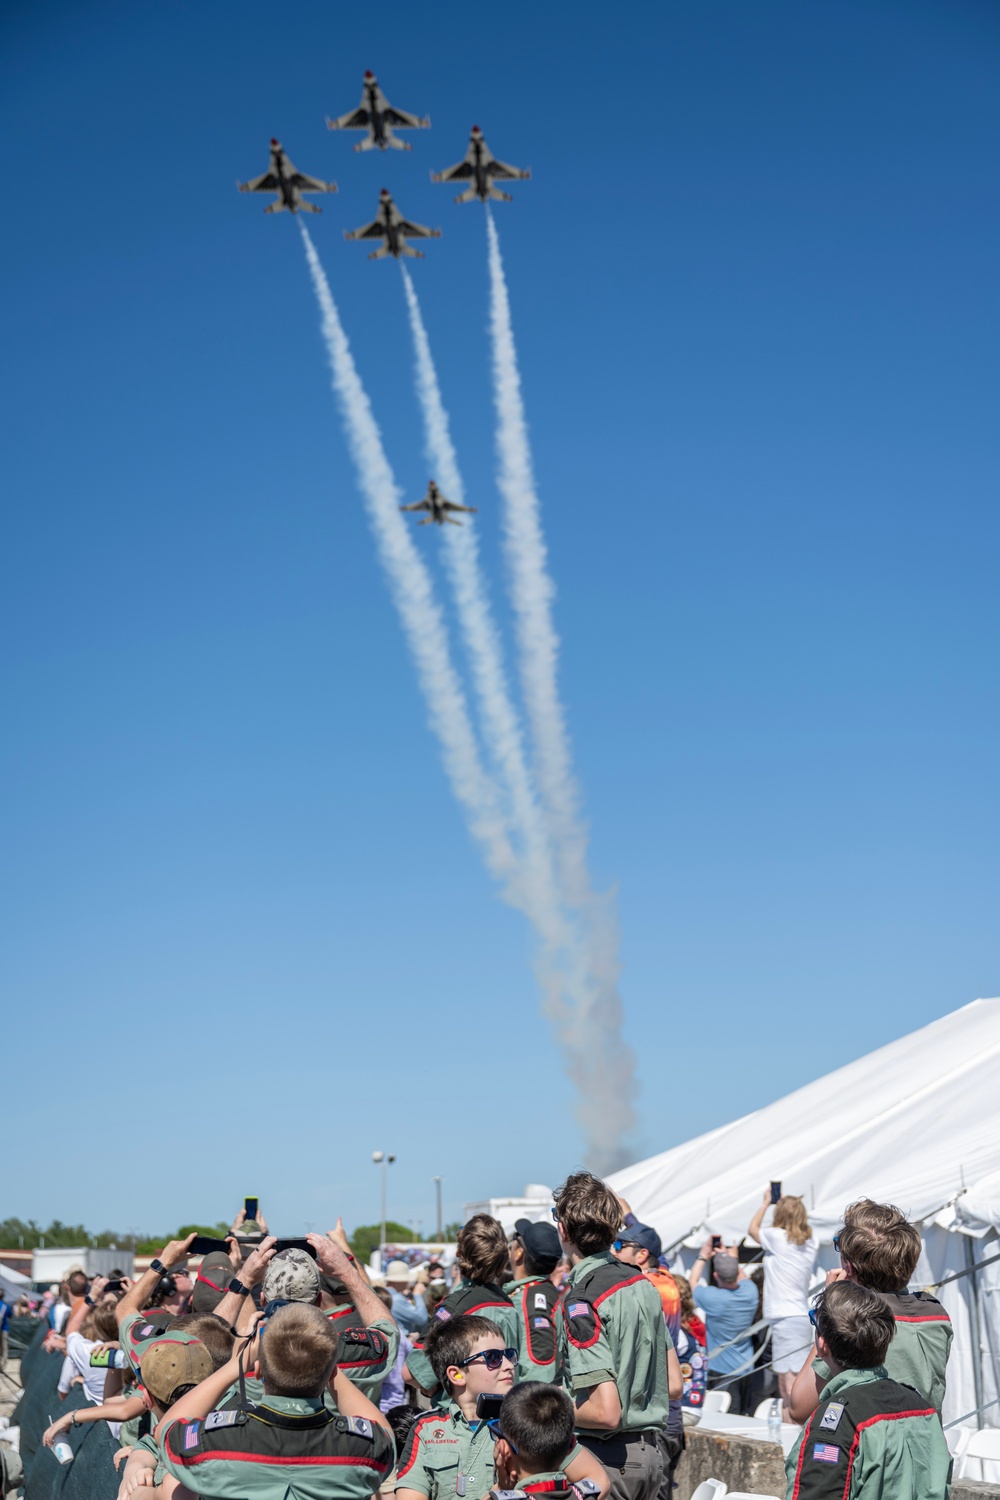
598, 1060
411, 587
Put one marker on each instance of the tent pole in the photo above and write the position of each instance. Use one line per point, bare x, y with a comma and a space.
977, 1353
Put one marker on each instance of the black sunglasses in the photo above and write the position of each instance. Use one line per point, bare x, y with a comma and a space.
491, 1358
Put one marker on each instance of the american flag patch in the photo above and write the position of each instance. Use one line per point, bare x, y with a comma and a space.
540, 1322
578, 1309
191, 1435
826, 1453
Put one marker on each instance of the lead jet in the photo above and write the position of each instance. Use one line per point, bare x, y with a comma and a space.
289, 184
439, 506
376, 115
393, 230
480, 167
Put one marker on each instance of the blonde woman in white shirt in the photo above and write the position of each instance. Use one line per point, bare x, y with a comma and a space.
790, 1250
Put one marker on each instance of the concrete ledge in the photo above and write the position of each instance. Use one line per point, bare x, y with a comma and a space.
758, 1468
744, 1463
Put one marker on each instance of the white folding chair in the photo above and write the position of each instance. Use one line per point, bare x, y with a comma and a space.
716, 1401
710, 1489
957, 1439
763, 1410
983, 1445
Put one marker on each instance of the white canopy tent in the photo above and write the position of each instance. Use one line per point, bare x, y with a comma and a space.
916, 1123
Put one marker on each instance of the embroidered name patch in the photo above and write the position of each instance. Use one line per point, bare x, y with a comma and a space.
831, 1420
191, 1435
540, 1302
826, 1453
361, 1426
217, 1419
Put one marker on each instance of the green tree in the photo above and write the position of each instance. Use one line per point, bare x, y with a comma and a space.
366, 1237
451, 1230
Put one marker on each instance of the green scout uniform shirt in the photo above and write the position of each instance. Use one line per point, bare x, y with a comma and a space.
612, 1328
129, 1434
918, 1353
538, 1342
446, 1457
870, 1438
366, 1368
148, 1444
231, 1455
468, 1297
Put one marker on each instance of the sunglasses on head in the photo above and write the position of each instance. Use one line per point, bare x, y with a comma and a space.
491, 1358
812, 1315
836, 1242
555, 1215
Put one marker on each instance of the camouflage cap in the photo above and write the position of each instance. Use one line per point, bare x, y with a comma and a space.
173, 1359
292, 1276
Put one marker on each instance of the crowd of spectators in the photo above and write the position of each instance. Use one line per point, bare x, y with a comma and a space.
566, 1357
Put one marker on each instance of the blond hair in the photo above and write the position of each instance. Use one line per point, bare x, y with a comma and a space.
790, 1215
298, 1351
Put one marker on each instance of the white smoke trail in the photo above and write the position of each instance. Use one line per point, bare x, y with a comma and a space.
412, 589
500, 723
598, 1060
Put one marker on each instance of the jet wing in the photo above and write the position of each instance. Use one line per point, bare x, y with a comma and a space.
417, 231
458, 173
373, 231
402, 118
307, 184
266, 183
505, 173
418, 505
355, 119
470, 510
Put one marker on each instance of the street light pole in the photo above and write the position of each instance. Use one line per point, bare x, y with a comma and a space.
384, 1160
437, 1187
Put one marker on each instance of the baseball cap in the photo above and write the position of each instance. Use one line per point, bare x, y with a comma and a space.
646, 1237
214, 1275
173, 1359
541, 1242
292, 1276
397, 1270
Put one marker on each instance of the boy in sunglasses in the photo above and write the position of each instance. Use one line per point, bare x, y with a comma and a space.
449, 1452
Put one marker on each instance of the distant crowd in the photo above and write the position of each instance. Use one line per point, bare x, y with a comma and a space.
565, 1358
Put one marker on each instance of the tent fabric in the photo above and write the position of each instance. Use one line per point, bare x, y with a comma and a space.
915, 1123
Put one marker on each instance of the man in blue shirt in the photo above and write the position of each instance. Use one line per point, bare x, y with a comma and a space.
411, 1316
730, 1308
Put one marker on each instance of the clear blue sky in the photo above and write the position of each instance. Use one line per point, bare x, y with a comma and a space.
247, 938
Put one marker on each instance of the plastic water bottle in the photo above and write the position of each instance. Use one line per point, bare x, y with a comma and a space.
774, 1421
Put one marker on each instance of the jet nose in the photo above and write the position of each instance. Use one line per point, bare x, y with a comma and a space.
476, 130
368, 73
275, 141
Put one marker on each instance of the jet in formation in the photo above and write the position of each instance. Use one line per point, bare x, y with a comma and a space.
480, 168
393, 230
438, 505
380, 119
289, 184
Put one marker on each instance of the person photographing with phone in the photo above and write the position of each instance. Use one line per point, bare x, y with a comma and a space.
730, 1308
790, 1251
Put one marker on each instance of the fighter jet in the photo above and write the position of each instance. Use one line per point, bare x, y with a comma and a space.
393, 230
439, 506
288, 183
481, 167
376, 115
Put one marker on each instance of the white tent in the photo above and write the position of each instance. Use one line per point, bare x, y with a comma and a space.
916, 1123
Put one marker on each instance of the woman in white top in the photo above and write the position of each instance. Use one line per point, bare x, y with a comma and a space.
99, 1326
790, 1251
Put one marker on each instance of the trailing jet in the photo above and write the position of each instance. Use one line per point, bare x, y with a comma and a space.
376, 115
439, 506
480, 167
393, 230
288, 183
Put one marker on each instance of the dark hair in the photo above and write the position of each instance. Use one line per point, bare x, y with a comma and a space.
482, 1250
856, 1324
880, 1244
216, 1335
384, 1296
532, 1267
77, 1283
589, 1212
401, 1419
536, 1418
451, 1340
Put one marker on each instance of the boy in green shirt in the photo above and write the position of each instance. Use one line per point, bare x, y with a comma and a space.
534, 1442
870, 1437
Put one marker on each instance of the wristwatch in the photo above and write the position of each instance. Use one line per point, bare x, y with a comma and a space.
236, 1286
89, 1300
157, 1265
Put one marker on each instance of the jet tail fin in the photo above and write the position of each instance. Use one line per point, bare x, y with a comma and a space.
409, 250
469, 196
277, 207
395, 144
499, 196
366, 145
306, 207
379, 254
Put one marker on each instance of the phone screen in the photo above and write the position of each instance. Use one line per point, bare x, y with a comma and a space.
716, 1241
250, 1205
775, 1191
203, 1244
